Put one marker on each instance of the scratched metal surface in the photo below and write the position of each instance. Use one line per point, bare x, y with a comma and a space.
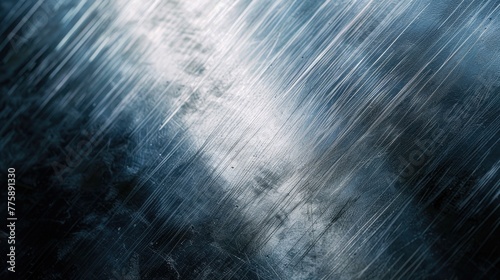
252, 139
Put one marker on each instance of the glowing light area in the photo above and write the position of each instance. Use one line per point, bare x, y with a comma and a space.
292, 146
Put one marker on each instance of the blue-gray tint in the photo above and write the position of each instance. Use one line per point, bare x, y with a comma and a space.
218, 139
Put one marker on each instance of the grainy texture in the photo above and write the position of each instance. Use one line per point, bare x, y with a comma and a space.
247, 139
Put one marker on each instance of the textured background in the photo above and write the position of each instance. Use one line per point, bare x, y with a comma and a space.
252, 139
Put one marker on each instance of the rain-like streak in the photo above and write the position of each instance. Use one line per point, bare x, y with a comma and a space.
263, 139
